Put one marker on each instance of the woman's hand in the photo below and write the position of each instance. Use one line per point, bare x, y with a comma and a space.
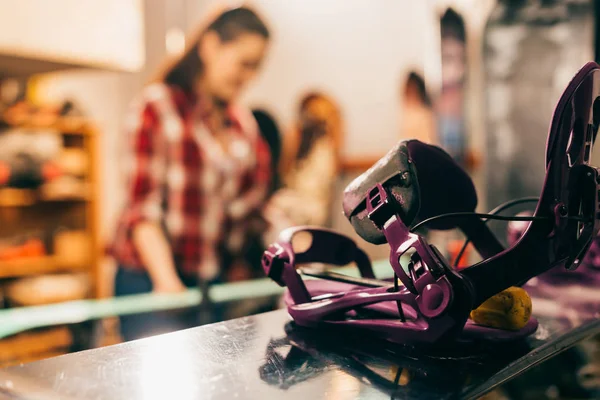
239, 271
276, 208
175, 286
282, 201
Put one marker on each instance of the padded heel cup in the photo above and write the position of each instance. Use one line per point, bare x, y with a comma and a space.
397, 174
447, 189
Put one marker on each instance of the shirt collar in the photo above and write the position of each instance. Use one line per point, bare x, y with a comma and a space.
202, 108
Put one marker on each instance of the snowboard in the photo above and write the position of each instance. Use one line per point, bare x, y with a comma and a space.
561, 357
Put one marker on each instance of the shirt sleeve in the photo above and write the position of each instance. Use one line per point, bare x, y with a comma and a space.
145, 159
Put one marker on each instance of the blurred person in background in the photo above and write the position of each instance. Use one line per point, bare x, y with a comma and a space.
246, 263
270, 132
418, 118
450, 104
310, 165
198, 170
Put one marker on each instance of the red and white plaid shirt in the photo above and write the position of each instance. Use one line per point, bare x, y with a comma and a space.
180, 177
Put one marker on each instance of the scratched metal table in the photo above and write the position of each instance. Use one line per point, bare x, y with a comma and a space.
266, 356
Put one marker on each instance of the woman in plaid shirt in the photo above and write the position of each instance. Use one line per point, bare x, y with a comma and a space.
197, 169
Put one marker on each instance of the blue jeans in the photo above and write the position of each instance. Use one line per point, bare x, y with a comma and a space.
130, 281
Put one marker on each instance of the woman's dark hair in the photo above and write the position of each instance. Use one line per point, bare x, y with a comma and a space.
419, 83
311, 129
229, 26
453, 26
307, 99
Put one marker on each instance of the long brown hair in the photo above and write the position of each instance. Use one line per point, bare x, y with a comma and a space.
228, 25
308, 130
419, 83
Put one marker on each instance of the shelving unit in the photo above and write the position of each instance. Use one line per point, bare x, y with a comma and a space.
23, 210
37, 266
22, 201
32, 46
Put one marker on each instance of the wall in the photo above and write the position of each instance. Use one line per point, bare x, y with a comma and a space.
356, 50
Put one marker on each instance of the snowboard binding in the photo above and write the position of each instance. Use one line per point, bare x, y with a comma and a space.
579, 289
417, 185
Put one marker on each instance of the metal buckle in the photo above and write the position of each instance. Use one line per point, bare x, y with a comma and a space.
379, 208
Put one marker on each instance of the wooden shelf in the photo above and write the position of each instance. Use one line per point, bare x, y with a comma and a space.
34, 266
64, 125
35, 345
10, 197
71, 198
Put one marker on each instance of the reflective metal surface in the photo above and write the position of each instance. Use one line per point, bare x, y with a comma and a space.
266, 356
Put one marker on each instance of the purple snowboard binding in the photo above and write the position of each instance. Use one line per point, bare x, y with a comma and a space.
418, 184
579, 289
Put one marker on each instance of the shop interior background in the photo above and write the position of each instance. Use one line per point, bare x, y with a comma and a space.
359, 52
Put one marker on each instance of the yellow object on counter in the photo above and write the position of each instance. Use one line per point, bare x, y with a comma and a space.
509, 310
